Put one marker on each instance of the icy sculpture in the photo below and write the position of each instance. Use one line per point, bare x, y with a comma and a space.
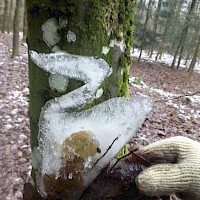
76, 144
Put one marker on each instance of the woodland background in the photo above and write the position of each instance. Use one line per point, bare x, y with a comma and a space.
166, 67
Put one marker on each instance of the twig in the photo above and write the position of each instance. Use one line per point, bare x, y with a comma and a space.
106, 151
119, 160
181, 96
131, 153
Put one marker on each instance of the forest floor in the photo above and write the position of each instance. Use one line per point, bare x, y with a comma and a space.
171, 115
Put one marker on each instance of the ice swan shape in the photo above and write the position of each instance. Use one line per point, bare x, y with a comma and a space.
76, 144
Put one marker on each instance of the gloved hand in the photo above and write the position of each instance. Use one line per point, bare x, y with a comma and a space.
181, 175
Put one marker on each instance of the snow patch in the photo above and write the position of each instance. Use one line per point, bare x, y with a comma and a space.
138, 83
165, 59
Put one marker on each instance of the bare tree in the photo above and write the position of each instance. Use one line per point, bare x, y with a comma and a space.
16, 22
180, 47
145, 28
155, 25
194, 59
5, 27
24, 23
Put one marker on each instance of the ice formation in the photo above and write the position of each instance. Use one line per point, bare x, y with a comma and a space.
71, 36
121, 44
50, 32
76, 143
105, 50
59, 83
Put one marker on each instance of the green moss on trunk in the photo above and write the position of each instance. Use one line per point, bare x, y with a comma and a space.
96, 24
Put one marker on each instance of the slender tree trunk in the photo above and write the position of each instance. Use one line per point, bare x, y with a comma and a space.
6, 17
183, 37
142, 3
194, 59
102, 29
1, 14
155, 25
24, 23
145, 29
11, 11
16, 22
172, 7
187, 59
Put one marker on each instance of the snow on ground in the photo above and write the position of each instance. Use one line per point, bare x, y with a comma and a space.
165, 59
14, 122
169, 97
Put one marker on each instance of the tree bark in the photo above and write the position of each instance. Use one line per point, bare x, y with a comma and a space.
180, 47
194, 59
5, 27
145, 29
1, 15
155, 25
95, 25
171, 12
16, 22
24, 23
11, 11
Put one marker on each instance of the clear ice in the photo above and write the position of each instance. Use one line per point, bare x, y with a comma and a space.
76, 144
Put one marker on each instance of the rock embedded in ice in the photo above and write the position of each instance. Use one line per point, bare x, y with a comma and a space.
76, 144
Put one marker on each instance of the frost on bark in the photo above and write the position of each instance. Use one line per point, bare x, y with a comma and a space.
90, 42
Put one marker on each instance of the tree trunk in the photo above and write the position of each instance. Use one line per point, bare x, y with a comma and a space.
6, 17
171, 12
155, 25
24, 23
194, 59
1, 15
11, 11
16, 22
145, 29
181, 43
102, 29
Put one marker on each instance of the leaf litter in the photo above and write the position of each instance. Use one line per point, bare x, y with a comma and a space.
169, 118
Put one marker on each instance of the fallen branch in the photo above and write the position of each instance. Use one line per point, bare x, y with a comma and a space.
178, 97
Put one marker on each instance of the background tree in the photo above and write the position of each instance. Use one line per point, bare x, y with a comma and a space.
168, 14
183, 36
98, 28
16, 28
5, 27
24, 23
172, 28
145, 28
1, 14
155, 25
194, 59
11, 15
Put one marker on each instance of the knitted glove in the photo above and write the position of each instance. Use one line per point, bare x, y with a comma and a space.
180, 176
